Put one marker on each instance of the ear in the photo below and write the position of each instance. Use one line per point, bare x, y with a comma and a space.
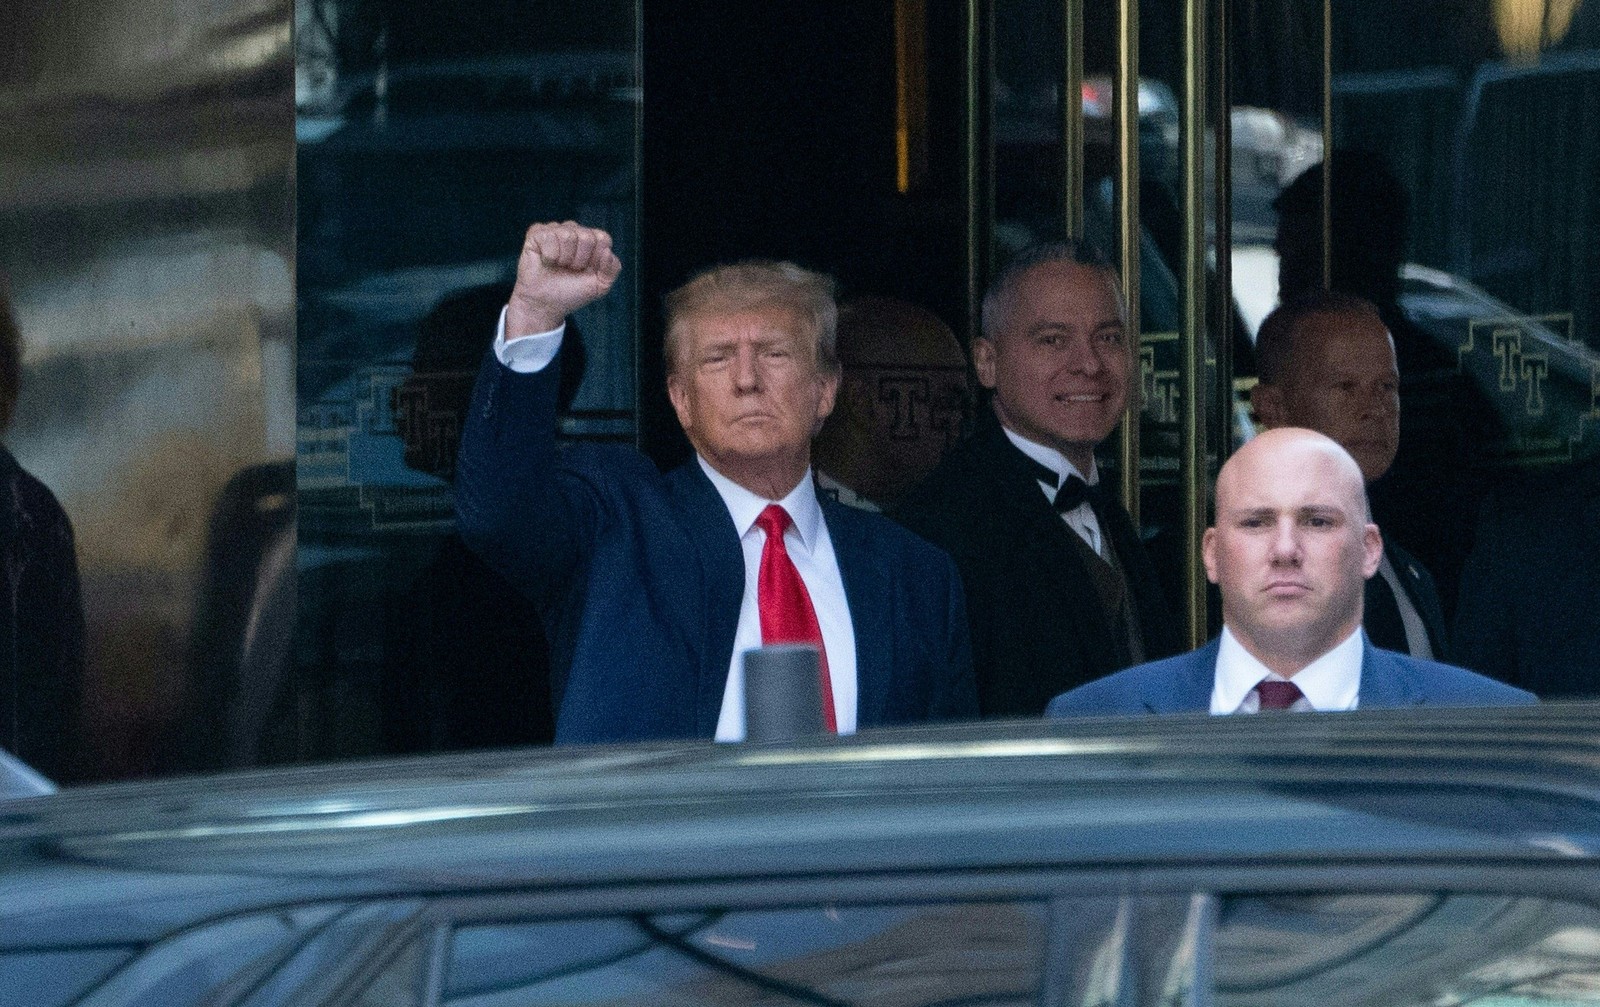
678, 392
827, 395
983, 352
1372, 546
1267, 401
1208, 553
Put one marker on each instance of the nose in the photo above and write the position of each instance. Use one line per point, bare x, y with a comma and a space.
1286, 543
1085, 356
746, 372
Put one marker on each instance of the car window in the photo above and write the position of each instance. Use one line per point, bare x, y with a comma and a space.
1406, 950
890, 956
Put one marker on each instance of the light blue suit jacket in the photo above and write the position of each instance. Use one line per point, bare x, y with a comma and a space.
1183, 684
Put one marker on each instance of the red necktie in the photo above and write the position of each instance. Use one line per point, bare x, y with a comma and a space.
1276, 695
786, 612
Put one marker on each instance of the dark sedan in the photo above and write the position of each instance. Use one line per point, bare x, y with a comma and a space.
1439, 859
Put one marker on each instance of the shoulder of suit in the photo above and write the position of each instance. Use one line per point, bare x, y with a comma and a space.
1448, 681
612, 459
960, 496
879, 530
1124, 690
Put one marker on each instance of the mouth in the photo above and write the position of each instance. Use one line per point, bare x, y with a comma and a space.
1080, 398
1286, 589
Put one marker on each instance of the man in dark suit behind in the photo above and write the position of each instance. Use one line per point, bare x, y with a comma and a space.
651, 586
1059, 589
1292, 543
1327, 363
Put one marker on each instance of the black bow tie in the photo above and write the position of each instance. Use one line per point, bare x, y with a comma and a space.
1070, 495
1074, 493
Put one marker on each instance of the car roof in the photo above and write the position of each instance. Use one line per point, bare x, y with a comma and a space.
1368, 787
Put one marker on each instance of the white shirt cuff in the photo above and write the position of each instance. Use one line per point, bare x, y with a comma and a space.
529, 353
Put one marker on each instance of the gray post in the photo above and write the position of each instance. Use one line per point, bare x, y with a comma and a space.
782, 692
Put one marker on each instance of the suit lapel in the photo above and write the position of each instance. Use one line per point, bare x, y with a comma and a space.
1019, 491
1188, 691
1381, 613
1385, 681
1156, 625
1424, 599
705, 518
867, 591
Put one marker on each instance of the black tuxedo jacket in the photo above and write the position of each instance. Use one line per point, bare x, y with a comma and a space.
639, 576
1039, 627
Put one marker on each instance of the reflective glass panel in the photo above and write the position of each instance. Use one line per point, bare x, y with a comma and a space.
429, 138
895, 956
1404, 950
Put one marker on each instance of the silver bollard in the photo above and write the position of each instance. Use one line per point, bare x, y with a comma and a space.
782, 692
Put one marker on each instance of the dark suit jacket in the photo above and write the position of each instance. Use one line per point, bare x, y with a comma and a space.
1183, 684
41, 627
639, 578
1038, 626
1530, 596
1381, 615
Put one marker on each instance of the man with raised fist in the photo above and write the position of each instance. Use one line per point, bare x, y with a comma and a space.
652, 585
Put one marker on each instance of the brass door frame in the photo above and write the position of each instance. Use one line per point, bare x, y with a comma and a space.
1206, 294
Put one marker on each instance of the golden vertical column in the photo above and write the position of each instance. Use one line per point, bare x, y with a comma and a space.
1327, 144
910, 94
1192, 430
1221, 315
1126, 88
1072, 115
978, 173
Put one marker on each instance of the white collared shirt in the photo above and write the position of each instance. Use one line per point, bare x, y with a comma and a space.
1080, 519
811, 548
809, 545
529, 353
1330, 683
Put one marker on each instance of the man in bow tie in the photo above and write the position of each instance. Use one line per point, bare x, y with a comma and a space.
1290, 551
1059, 589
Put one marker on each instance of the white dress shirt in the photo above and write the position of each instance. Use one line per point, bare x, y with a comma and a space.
530, 353
811, 549
809, 545
1080, 519
1330, 683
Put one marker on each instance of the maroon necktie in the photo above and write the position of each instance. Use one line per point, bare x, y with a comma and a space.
785, 605
1276, 695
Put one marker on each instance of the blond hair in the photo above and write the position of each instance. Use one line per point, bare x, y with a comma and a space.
757, 283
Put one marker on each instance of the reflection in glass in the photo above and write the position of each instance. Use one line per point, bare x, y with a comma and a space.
429, 138
888, 956
1409, 950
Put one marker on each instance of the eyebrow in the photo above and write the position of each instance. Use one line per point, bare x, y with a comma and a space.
1309, 510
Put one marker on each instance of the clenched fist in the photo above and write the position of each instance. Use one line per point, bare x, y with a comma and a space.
562, 268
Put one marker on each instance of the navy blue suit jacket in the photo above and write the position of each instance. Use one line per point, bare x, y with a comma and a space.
639, 577
1183, 684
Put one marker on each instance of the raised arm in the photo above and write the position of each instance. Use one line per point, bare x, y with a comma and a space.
513, 505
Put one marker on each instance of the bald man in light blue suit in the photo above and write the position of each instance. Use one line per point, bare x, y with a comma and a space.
1290, 552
